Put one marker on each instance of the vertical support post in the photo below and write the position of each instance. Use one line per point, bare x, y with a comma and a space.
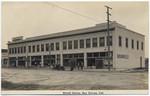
42, 61
30, 61
108, 36
85, 59
16, 61
61, 59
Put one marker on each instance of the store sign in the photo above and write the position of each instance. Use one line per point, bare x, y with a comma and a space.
121, 56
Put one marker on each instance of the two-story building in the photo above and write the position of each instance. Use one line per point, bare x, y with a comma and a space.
87, 45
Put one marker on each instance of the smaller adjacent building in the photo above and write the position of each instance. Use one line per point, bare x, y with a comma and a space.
4, 57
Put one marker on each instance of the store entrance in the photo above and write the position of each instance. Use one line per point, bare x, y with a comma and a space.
99, 63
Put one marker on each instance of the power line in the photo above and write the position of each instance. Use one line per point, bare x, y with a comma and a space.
72, 12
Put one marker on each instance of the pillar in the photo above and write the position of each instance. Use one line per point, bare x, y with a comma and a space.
56, 59
16, 61
26, 61
42, 61
85, 59
61, 59
30, 61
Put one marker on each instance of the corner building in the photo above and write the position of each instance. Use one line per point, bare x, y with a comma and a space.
87, 45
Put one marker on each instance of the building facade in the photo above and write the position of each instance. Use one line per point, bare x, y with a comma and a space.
87, 45
4, 57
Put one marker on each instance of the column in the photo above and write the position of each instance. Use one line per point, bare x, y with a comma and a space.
61, 59
85, 59
30, 61
16, 61
26, 61
42, 61
55, 59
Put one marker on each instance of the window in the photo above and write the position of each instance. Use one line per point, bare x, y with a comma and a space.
132, 44
15, 50
75, 44
9, 50
42, 47
88, 43
137, 44
37, 48
21, 49
120, 41
141, 45
94, 42
47, 47
29, 49
102, 41
18, 49
110, 40
52, 47
24, 49
12, 50
69, 44
64, 45
57, 46
33, 48
127, 42
82, 43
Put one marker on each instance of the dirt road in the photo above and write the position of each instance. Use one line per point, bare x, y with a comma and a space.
44, 79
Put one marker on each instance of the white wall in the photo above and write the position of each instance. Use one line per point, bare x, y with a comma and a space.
134, 54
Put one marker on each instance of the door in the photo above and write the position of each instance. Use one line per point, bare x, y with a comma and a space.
99, 64
141, 62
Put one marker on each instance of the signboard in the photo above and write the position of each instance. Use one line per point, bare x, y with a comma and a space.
122, 56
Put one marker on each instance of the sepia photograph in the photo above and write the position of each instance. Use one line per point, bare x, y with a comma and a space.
74, 48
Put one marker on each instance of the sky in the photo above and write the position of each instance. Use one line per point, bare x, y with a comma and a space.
29, 19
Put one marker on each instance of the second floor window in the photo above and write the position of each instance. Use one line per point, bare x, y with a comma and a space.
33, 48
29, 49
21, 49
9, 50
47, 47
127, 42
15, 50
12, 50
42, 47
120, 41
141, 45
132, 44
52, 47
18, 49
64, 45
24, 49
88, 43
94, 42
102, 41
69, 44
82, 43
57, 46
75, 44
110, 41
137, 44
37, 48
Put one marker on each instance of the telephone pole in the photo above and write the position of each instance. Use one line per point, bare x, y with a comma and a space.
108, 41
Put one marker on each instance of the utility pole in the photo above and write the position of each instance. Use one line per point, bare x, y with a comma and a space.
108, 41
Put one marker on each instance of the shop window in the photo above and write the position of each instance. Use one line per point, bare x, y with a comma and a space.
89, 54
